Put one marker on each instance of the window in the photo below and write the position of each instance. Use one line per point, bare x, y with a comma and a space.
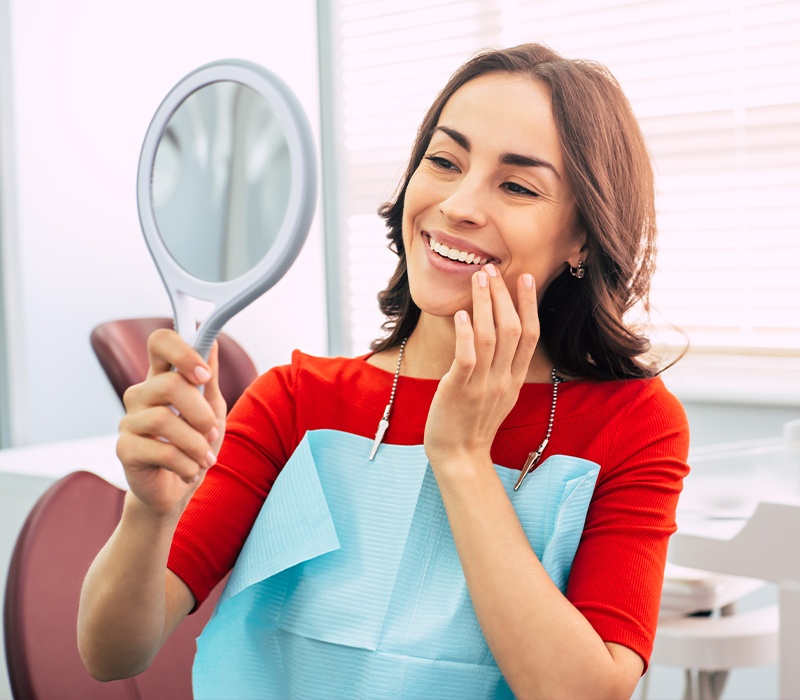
716, 87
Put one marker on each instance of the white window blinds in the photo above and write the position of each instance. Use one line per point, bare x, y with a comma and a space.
716, 87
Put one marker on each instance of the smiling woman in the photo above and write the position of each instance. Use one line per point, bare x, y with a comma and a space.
568, 197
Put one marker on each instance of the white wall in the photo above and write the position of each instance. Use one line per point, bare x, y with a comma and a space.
86, 78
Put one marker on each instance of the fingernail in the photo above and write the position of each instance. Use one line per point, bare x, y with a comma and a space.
213, 434
462, 316
491, 269
527, 280
211, 459
483, 280
202, 374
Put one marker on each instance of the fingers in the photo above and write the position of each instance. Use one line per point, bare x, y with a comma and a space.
168, 422
528, 309
505, 335
166, 350
508, 327
171, 389
483, 323
212, 391
213, 394
465, 359
156, 437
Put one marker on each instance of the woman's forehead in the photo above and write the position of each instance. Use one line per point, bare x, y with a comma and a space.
504, 89
504, 112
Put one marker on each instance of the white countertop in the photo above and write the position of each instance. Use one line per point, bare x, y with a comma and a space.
54, 460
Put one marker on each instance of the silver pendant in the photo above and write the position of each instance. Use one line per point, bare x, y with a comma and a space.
382, 427
530, 463
384, 424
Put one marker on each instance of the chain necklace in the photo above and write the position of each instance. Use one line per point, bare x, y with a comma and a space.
383, 426
532, 459
534, 456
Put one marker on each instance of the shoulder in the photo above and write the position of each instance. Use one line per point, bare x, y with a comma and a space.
627, 417
625, 396
333, 370
312, 375
304, 366
650, 407
652, 402
650, 420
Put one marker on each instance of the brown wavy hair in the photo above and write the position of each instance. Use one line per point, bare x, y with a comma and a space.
583, 325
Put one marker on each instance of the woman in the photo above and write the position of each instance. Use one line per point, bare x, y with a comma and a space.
524, 227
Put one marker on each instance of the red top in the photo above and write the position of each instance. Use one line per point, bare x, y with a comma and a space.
634, 429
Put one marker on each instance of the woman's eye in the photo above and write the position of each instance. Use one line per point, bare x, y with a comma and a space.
442, 163
515, 188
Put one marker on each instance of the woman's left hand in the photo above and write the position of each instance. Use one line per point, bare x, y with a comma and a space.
493, 355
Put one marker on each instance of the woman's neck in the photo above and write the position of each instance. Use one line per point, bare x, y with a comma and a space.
431, 348
430, 351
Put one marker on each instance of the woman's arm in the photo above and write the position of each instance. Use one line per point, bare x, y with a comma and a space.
543, 645
130, 602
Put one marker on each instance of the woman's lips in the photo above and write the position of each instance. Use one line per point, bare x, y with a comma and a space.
456, 251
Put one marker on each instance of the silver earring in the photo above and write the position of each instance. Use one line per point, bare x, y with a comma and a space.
578, 272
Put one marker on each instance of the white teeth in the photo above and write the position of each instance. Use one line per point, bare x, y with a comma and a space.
454, 254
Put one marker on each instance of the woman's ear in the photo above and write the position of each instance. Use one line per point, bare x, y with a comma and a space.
580, 249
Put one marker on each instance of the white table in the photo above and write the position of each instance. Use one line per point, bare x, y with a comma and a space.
54, 460
762, 546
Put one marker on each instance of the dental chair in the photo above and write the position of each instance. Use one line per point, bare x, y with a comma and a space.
121, 348
61, 536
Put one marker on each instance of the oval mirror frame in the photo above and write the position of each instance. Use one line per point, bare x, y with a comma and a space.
231, 296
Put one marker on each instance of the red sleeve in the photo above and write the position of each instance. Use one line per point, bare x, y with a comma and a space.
618, 571
261, 434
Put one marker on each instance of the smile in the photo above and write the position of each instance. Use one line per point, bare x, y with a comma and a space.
456, 255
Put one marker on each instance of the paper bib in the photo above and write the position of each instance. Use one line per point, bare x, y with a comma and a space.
349, 584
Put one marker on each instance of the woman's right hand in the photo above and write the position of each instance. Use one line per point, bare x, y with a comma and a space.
171, 432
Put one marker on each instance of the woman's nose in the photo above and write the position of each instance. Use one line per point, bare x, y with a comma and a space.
464, 204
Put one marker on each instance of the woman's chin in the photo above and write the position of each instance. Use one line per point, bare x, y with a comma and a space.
445, 312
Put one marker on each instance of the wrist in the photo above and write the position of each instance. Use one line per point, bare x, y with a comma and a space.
142, 514
461, 464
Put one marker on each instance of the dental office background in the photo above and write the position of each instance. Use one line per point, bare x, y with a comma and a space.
716, 86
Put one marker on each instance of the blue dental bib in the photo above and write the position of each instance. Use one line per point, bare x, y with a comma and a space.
349, 584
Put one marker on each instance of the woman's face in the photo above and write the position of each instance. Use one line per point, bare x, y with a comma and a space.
491, 187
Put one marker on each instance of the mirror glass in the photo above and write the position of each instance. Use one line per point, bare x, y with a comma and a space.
220, 182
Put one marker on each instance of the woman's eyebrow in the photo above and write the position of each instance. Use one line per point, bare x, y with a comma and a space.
457, 136
528, 162
505, 158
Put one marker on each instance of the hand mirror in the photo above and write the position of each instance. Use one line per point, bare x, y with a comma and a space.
226, 191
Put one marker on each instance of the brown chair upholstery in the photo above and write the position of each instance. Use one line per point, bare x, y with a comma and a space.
60, 538
121, 348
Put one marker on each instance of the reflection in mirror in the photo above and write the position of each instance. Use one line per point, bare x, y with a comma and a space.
220, 181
